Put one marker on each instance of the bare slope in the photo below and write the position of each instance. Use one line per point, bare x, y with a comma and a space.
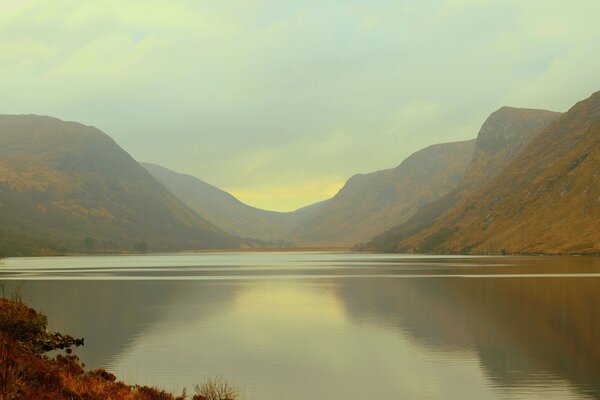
370, 204
66, 182
228, 213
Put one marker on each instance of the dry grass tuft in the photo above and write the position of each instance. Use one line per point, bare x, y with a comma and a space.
217, 389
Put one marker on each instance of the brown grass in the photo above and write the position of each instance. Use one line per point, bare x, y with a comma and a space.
26, 373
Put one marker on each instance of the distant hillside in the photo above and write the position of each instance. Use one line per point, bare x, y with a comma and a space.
546, 201
227, 212
370, 204
72, 187
501, 137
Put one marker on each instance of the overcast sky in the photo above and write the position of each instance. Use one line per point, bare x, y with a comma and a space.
279, 102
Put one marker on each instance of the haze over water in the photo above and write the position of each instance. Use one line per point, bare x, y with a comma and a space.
330, 325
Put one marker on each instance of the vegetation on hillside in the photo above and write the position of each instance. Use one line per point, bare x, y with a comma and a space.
19, 245
74, 185
546, 200
501, 137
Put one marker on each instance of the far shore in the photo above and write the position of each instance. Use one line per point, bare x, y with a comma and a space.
192, 251
294, 250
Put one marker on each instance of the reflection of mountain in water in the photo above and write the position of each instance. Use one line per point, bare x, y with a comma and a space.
108, 314
521, 328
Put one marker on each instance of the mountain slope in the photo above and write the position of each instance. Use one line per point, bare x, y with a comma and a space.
74, 186
370, 204
228, 213
501, 137
546, 201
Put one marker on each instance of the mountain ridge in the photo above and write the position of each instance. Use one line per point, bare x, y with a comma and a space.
491, 155
66, 186
371, 203
545, 201
68, 182
226, 211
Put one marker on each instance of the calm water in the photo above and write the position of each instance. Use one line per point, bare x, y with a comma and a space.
331, 325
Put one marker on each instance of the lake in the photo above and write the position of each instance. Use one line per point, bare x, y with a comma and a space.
330, 325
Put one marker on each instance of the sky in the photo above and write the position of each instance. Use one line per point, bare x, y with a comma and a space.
279, 102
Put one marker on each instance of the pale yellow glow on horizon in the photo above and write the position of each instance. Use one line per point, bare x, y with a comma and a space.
290, 197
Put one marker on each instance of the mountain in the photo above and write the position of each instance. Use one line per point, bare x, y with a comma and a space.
547, 200
501, 137
70, 186
371, 203
228, 213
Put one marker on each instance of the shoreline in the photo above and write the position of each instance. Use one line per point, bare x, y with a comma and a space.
34, 373
199, 251
298, 250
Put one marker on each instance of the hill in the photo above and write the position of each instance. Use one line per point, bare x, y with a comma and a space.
371, 203
228, 213
73, 188
547, 200
501, 137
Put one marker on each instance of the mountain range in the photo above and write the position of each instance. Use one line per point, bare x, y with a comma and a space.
528, 183
225, 211
545, 200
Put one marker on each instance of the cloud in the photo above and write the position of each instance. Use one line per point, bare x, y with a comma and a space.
257, 95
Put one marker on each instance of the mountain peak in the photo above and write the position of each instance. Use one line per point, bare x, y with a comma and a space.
501, 137
511, 124
68, 181
545, 200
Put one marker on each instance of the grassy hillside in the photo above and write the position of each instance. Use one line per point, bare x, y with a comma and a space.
72, 186
370, 204
227, 212
546, 201
502, 136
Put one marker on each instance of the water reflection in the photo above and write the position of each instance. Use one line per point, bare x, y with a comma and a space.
524, 331
330, 325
